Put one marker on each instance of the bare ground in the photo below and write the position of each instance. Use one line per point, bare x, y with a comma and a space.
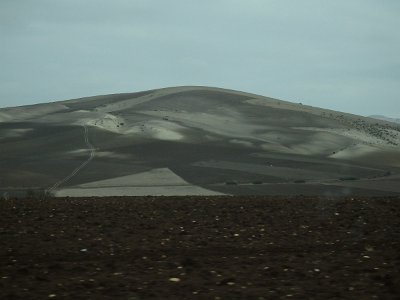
200, 248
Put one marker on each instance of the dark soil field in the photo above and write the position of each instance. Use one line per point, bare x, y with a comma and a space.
200, 248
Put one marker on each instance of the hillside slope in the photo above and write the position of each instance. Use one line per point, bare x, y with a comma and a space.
387, 119
194, 141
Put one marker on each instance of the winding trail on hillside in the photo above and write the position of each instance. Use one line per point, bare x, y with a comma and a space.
81, 166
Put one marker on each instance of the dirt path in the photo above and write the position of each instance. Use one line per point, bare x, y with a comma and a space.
80, 167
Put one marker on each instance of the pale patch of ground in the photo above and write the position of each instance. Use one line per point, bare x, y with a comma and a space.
277, 148
18, 132
270, 170
136, 191
379, 156
276, 136
158, 129
106, 154
364, 142
158, 177
29, 112
4, 117
129, 103
313, 160
354, 134
322, 143
242, 143
355, 151
228, 123
79, 152
155, 182
84, 111
106, 122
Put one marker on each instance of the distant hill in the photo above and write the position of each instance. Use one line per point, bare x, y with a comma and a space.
194, 141
383, 118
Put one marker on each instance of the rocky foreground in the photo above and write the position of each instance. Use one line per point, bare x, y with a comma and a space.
200, 248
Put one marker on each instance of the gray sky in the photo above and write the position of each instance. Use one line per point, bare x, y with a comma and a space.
342, 54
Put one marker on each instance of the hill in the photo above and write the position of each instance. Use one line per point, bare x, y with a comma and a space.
384, 118
195, 141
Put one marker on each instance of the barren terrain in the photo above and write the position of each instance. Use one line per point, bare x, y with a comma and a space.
194, 141
200, 248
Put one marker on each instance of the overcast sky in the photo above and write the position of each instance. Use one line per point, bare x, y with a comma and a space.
342, 54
